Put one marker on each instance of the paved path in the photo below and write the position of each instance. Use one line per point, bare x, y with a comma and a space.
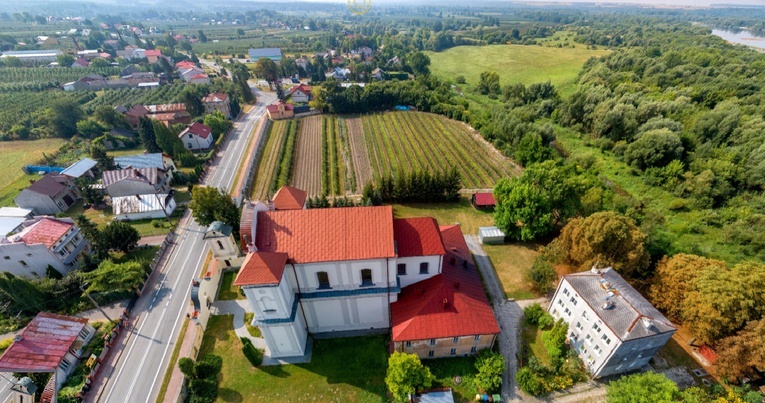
509, 315
154, 240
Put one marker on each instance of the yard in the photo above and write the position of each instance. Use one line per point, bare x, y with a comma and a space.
16, 154
341, 370
229, 291
514, 63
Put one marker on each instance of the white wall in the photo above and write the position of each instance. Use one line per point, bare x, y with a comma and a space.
37, 258
194, 142
271, 302
288, 339
144, 215
347, 313
413, 268
346, 275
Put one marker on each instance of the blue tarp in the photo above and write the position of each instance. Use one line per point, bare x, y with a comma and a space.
402, 108
41, 168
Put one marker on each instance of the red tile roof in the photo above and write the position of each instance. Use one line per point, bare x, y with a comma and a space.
215, 97
452, 236
137, 110
198, 76
185, 65
417, 237
197, 129
153, 52
262, 268
289, 198
166, 108
449, 304
304, 88
245, 225
325, 235
484, 199
46, 231
44, 343
275, 107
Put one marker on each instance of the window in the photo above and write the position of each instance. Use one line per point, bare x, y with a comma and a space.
473, 349
606, 339
366, 277
598, 350
220, 245
323, 278
432, 342
29, 255
588, 339
585, 316
579, 325
555, 312
573, 301
477, 337
431, 353
618, 367
453, 351
23, 263
560, 302
401, 269
596, 327
424, 268
565, 291
7, 257
456, 340
268, 305
62, 252
567, 312
65, 364
409, 344
632, 364
84, 333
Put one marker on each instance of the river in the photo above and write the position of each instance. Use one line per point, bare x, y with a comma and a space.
741, 38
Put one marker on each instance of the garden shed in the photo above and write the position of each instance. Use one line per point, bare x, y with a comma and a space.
491, 235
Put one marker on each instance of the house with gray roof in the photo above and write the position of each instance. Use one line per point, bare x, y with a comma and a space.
151, 160
51, 194
611, 326
135, 181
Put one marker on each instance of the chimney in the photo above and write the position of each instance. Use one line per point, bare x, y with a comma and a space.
446, 303
18, 338
138, 197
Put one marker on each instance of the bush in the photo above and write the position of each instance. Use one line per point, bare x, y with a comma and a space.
186, 365
460, 80
254, 355
542, 275
529, 382
204, 389
490, 366
533, 312
208, 367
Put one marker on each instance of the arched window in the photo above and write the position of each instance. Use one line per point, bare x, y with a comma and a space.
366, 277
323, 278
220, 245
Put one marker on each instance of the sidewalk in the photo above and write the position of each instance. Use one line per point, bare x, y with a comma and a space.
108, 365
154, 240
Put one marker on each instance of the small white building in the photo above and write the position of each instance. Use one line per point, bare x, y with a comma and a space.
491, 235
42, 242
146, 206
197, 137
611, 326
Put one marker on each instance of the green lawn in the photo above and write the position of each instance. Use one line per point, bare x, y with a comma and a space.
445, 369
511, 262
126, 151
253, 330
513, 63
341, 370
146, 253
533, 346
149, 227
448, 213
14, 155
228, 291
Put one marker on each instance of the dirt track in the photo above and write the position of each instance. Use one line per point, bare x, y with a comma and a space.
307, 174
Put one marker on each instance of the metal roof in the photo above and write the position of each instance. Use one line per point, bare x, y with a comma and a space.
8, 224
490, 232
15, 212
141, 203
79, 168
629, 315
218, 226
139, 161
43, 343
272, 53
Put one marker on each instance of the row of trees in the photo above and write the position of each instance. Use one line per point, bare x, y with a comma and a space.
415, 186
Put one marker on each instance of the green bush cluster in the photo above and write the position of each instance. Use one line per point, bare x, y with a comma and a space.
202, 376
253, 355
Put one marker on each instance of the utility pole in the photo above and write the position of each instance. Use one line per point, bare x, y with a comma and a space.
96, 304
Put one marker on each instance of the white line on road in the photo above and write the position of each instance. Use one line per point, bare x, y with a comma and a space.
175, 326
158, 326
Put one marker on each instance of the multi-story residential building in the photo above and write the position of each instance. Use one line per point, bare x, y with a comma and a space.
42, 242
612, 327
342, 269
217, 102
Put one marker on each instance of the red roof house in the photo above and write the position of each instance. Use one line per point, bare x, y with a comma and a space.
196, 137
289, 198
417, 237
46, 231
483, 200
280, 110
301, 93
153, 55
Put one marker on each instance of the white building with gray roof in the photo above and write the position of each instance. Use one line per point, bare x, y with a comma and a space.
612, 327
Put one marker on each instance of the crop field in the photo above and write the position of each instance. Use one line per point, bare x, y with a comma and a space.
15, 154
309, 155
514, 63
336, 156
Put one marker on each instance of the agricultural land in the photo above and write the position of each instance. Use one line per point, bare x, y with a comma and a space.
338, 155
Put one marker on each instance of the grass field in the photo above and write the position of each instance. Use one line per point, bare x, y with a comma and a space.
341, 370
14, 155
228, 291
533, 345
513, 63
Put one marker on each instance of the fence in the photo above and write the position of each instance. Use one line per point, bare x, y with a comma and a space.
249, 176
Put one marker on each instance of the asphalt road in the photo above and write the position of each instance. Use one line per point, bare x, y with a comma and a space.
161, 309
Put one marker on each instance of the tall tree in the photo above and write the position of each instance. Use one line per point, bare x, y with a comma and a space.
111, 276
62, 117
65, 60
406, 375
146, 132
120, 236
209, 204
743, 354
267, 69
191, 97
419, 63
201, 36
522, 211
92, 234
642, 387
674, 279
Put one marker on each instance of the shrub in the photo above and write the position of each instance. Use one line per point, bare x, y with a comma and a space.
490, 366
254, 355
529, 382
208, 367
186, 365
460, 80
542, 275
545, 321
204, 389
533, 312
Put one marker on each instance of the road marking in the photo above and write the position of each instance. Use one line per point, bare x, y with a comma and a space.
175, 326
138, 331
156, 329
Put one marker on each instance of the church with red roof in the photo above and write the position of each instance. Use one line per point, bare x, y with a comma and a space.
359, 269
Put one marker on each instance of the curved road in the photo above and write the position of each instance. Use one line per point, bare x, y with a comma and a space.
160, 310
